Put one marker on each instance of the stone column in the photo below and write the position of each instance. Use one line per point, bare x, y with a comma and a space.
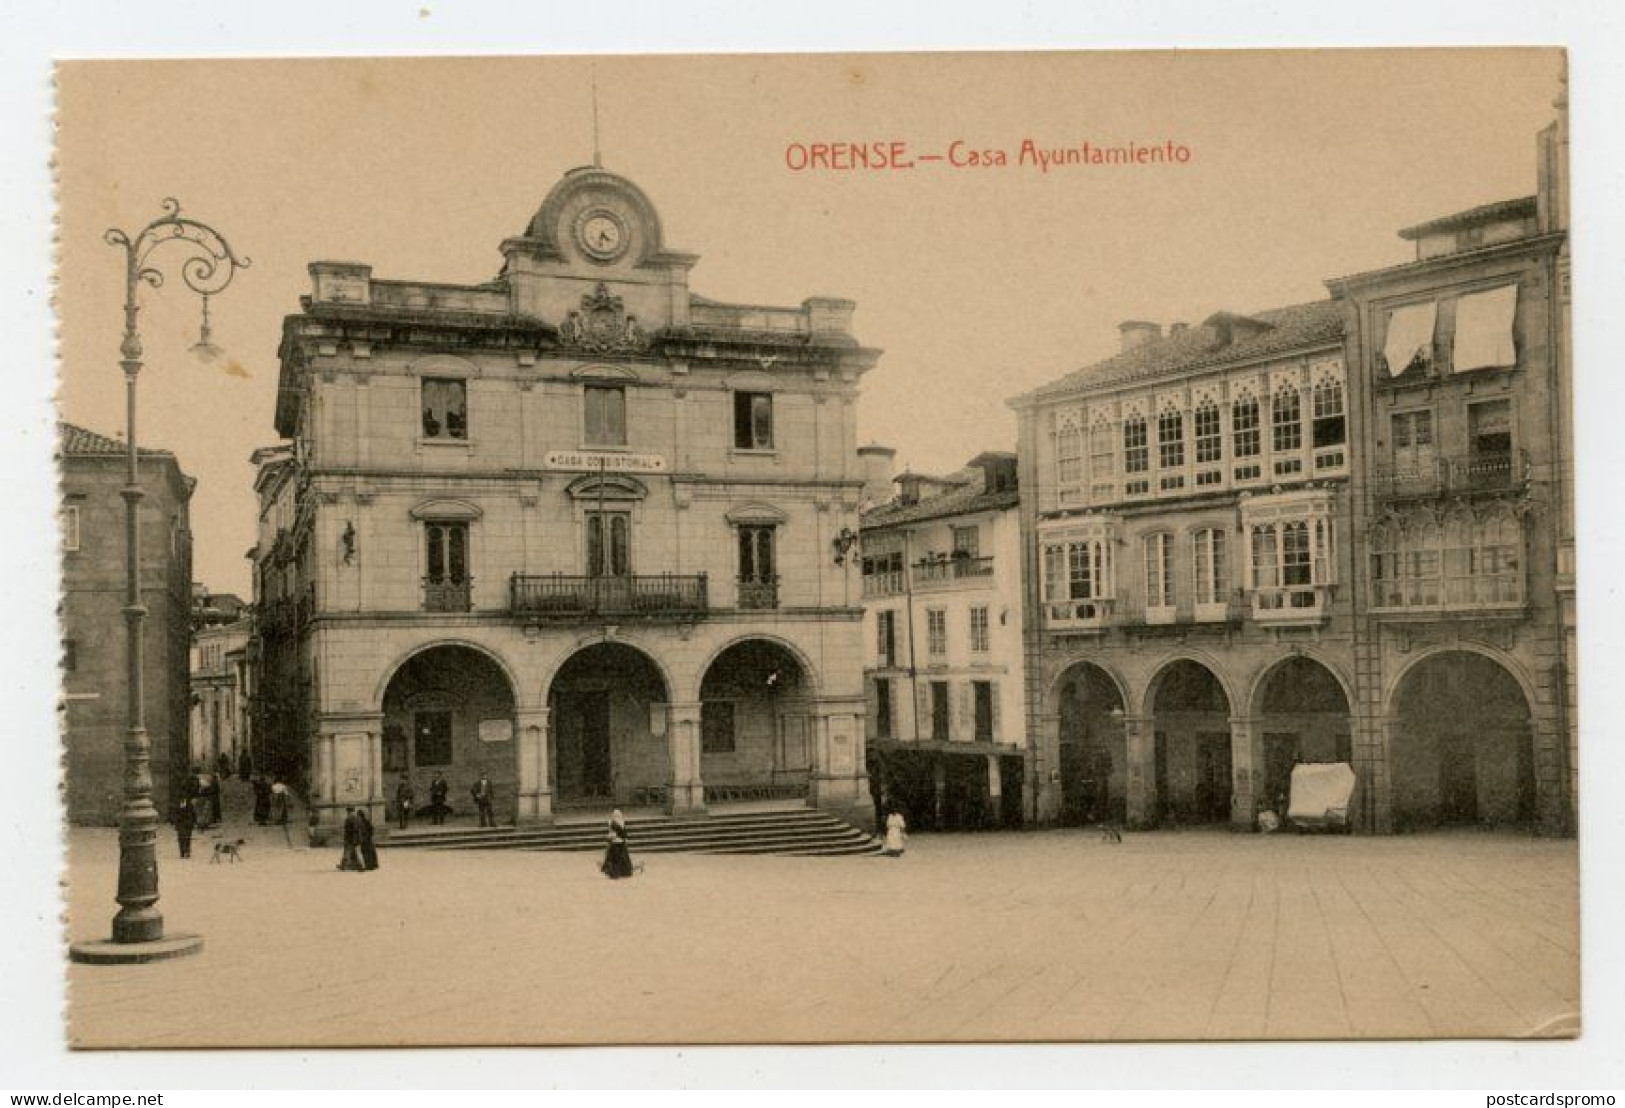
1044, 771
1390, 732
685, 794
535, 789
348, 756
1246, 772
839, 781
1139, 739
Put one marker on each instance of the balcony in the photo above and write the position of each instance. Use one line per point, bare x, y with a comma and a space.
1087, 616
448, 596
759, 592
1467, 475
572, 597
883, 584
934, 573
1288, 605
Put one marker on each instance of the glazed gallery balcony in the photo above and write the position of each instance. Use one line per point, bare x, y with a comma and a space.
571, 596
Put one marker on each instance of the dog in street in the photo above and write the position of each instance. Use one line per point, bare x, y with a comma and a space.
1111, 833
231, 851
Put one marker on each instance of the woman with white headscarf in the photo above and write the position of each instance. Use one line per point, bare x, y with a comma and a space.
617, 858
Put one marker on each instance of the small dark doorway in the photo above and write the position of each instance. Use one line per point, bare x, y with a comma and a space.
1213, 775
1280, 755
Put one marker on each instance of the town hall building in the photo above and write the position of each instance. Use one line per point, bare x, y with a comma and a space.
574, 529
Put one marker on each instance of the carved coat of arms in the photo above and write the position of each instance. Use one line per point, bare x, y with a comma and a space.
602, 325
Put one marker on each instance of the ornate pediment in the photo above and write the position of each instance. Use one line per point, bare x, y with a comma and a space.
602, 325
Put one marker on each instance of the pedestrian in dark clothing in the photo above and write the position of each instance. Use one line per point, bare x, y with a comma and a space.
369, 852
245, 765
438, 788
483, 796
403, 802
279, 801
222, 764
617, 861
185, 820
262, 800
351, 858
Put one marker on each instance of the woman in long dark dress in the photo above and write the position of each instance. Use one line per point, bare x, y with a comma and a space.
369, 851
617, 857
262, 800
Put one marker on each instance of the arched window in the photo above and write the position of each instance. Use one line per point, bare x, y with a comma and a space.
1245, 441
1209, 439
1286, 420
1136, 445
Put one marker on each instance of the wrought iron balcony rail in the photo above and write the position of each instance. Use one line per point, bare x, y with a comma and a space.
937, 571
573, 596
448, 596
759, 592
1462, 475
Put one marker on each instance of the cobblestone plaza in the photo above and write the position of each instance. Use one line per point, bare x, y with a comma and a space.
1042, 936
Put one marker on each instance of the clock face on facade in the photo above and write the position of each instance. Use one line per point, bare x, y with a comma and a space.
601, 234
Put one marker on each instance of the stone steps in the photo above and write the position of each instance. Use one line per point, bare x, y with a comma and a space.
801, 833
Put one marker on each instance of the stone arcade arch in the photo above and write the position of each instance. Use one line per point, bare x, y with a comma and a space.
450, 709
756, 739
1093, 745
1190, 711
1300, 713
607, 724
1461, 743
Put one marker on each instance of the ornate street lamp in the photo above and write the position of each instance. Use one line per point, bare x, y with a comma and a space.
207, 267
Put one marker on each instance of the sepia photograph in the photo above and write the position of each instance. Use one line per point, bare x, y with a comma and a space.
855, 548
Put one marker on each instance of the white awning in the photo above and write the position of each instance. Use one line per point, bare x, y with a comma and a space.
1410, 335
1484, 329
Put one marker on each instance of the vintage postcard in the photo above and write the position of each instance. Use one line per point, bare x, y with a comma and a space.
818, 548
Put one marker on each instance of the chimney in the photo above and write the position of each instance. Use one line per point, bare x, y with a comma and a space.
876, 461
1138, 332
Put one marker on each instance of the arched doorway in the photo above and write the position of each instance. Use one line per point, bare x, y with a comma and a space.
608, 729
1190, 723
1303, 716
755, 740
1094, 751
1462, 744
449, 710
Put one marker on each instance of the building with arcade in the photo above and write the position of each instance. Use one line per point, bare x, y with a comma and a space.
573, 529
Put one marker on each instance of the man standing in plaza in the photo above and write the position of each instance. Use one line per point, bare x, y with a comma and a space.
351, 858
437, 798
482, 800
185, 820
403, 802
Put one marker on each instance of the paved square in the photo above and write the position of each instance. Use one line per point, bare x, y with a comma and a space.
1036, 936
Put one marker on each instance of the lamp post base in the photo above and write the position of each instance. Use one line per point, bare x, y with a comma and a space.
106, 952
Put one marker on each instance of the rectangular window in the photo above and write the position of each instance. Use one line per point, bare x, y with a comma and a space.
431, 738
982, 697
1296, 567
1170, 440
1068, 456
936, 631
1136, 446
1329, 427
753, 420
1409, 341
609, 544
886, 646
1414, 454
979, 637
1159, 565
605, 415
758, 579
1286, 421
1209, 437
1212, 582
939, 711
445, 408
1266, 559
445, 578
1102, 463
1244, 432
70, 527
967, 541
883, 708
716, 727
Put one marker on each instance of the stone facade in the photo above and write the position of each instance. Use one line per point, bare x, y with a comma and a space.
219, 716
941, 563
602, 506
95, 667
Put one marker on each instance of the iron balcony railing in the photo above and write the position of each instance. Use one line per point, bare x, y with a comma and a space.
1452, 476
759, 592
448, 596
575, 596
938, 571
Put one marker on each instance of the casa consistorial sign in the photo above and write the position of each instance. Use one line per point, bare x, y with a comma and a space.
608, 461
